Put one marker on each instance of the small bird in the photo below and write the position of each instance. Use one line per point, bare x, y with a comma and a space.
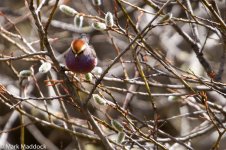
81, 57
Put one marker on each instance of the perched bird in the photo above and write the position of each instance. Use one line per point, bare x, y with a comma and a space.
81, 57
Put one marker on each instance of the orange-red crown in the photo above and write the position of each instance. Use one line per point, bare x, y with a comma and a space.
78, 46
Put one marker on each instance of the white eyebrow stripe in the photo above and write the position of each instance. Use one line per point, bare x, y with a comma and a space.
83, 47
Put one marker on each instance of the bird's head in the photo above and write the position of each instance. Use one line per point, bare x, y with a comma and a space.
78, 46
